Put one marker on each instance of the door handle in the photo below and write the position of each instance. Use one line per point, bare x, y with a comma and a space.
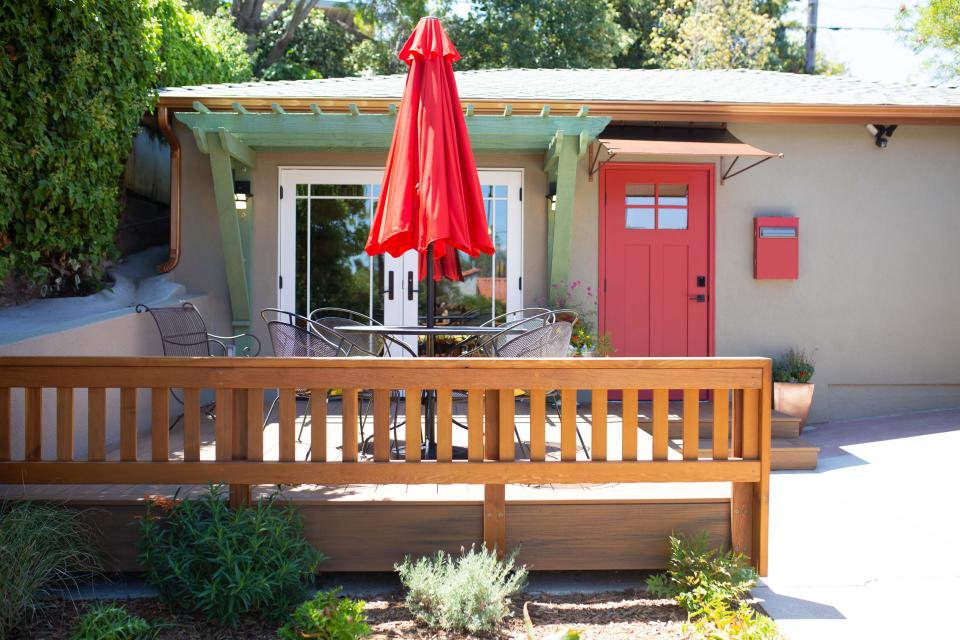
698, 298
410, 289
389, 289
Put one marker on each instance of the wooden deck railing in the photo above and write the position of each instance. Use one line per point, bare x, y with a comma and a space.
741, 392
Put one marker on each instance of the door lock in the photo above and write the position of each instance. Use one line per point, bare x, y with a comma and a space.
389, 289
698, 298
701, 281
410, 289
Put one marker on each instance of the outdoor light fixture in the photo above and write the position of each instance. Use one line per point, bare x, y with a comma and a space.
881, 133
241, 193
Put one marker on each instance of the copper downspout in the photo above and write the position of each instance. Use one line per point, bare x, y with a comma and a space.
167, 132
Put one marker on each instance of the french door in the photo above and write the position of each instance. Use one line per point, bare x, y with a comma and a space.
325, 216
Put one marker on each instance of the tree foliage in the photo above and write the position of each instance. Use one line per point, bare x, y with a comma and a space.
712, 34
936, 29
538, 34
320, 49
77, 76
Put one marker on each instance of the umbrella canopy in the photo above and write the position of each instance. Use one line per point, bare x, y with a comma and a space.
430, 200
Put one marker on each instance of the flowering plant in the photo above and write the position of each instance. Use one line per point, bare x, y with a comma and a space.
581, 340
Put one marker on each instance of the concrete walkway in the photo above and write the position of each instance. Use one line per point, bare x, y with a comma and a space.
866, 546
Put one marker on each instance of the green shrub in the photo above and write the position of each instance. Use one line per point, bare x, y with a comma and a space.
111, 622
76, 78
793, 366
225, 562
469, 593
41, 548
716, 620
329, 617
699, 574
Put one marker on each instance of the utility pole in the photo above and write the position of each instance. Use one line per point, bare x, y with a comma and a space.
810, 64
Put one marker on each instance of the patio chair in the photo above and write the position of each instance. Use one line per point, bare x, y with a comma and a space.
327, 319
183, 333
549, 341
296, 336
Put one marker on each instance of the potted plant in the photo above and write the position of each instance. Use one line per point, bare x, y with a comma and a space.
581, 342
792, 389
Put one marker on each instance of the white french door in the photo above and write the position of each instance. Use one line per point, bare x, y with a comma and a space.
325, 216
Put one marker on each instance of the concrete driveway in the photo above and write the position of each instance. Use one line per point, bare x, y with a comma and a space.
868, 545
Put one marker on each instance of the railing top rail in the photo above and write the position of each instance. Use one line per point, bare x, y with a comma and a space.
384, 363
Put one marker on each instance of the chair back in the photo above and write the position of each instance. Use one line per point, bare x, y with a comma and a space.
182, 330
549, 341
326, 321
292, 336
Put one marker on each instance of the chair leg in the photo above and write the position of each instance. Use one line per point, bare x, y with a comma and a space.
303, 423
520, 442
556, 406
273, 404
583, 444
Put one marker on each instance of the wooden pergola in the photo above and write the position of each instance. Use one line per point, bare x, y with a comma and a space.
233, 138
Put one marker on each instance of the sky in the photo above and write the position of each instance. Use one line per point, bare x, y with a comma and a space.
866, 40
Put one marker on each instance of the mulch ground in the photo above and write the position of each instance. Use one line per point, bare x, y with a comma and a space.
611, 616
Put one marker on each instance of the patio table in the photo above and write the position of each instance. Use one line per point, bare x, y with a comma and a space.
429, 443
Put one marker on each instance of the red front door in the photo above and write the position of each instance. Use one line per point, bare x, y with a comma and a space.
656, 259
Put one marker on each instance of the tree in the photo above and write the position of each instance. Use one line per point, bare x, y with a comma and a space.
385, 26
712, 34
538, 34
936, 30
320, 49
252, 20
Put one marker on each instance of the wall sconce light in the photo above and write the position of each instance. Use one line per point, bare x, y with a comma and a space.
241, 193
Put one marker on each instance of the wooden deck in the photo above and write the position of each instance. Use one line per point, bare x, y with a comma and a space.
650, 473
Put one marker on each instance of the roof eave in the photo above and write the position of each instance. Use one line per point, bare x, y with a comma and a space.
625, 111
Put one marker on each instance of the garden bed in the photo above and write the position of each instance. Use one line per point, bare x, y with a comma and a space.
613, 615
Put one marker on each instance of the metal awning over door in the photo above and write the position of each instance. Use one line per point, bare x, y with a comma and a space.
676, 141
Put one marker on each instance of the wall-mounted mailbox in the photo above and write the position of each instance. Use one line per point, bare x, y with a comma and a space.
776, 248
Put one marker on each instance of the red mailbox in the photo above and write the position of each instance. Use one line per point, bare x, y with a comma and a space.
776, 248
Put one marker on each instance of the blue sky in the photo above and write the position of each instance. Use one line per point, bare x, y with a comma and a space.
866, 41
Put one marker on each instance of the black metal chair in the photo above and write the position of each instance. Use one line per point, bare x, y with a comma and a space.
183, 333
549, 341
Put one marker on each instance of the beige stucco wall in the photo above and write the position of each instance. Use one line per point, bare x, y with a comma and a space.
874, 301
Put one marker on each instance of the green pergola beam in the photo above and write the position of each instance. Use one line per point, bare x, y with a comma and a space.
231, 233
237, 149
338, 131
561, 161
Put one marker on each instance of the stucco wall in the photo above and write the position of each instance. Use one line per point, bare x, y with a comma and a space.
874, 301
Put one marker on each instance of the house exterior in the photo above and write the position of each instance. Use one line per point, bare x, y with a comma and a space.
624, 185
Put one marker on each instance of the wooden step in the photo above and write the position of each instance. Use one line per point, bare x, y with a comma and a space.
785, 453
781, 425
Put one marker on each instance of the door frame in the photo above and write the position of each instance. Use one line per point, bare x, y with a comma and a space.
515, 223
707, 168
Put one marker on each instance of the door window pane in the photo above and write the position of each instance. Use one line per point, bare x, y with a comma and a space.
639, 194
672, 219
332, 269
483, 292
674, 195
638, 218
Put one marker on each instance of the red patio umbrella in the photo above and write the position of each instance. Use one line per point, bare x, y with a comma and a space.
430, 200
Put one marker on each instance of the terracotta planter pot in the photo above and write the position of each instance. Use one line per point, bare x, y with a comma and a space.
793, 399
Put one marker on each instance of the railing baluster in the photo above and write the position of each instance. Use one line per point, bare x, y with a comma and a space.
96, 424
751, 424
255, 424
287, 430
318, 425
224, 425
128, 424
33, 427
598, 428
444, 425
412, 429
5, 441
64, 424
568, 425
630, 406
191, 424
538, 418
507, 424
159, 424
691, 424
381, 425
737, 423
240, 415
350, 425
475, 425
721, 424
491, 424
661, 423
